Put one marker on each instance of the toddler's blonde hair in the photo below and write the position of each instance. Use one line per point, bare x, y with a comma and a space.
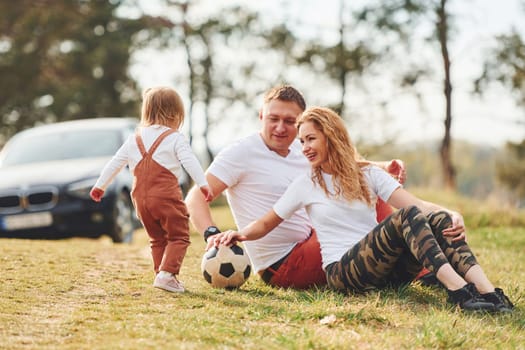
162, 105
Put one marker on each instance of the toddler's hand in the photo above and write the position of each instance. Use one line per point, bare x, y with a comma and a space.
96, 194
207, 192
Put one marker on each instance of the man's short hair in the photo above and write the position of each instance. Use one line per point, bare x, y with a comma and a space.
285, 93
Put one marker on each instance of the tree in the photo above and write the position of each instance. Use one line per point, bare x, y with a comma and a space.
63, 59
505, 64
353, 55
442, 28
404, 16
347, 58
215, 85
201, 42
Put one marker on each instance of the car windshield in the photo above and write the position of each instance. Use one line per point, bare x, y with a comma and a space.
63, 145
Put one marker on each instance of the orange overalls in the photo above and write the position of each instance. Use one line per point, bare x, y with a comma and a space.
157, 198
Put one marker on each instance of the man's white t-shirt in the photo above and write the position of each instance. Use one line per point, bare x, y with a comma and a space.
339, 224
256, 178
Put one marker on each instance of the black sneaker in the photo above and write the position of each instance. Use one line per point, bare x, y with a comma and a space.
499, 299
429, 279
468, 298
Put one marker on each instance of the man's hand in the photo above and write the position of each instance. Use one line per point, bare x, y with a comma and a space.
397, 169
210, 242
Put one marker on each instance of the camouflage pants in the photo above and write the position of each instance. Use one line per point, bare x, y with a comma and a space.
393, 253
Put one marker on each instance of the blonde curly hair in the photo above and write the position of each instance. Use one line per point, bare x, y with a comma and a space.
343, 159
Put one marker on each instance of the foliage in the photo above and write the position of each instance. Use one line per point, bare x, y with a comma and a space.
225, 58
396, 22
62, 60
211, 83
512, 168
505, 63
353, 54
92, 294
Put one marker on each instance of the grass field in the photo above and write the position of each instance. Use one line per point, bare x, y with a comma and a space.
93, 294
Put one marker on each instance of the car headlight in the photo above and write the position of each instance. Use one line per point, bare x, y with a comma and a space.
81, 188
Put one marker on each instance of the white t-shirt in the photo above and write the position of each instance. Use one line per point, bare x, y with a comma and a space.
173, 153
339, 224
256, 178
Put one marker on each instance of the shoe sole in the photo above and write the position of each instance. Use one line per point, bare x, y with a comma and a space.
169, 289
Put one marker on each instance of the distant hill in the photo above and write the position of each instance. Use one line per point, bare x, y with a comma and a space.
475, 165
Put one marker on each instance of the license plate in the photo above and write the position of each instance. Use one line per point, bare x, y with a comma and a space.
22, 221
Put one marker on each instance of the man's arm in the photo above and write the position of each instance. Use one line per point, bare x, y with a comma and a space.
199, 209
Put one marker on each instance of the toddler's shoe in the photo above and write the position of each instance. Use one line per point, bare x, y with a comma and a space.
171, 284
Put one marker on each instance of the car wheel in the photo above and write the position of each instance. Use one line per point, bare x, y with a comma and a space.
122, 226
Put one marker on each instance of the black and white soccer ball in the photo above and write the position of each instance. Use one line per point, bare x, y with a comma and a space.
226, 267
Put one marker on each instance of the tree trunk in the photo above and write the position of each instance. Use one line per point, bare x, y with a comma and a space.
449, 173
191, 69
207, 85
342, 69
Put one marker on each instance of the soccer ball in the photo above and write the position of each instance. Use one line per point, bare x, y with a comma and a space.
226, 267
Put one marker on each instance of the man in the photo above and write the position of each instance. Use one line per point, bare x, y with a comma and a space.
255, 171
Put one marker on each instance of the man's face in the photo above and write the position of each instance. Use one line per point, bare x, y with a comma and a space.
278, 125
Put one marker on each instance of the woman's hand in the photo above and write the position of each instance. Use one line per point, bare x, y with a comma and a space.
254, 230
225, 238
228, 238
457, 231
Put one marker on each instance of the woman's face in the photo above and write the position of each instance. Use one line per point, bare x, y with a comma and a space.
314, 146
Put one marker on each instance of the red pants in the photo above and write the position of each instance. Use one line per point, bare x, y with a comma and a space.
166, 222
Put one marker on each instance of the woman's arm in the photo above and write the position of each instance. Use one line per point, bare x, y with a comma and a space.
255, 230
401, 198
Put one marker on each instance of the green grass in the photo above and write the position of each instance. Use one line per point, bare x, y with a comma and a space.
93, 294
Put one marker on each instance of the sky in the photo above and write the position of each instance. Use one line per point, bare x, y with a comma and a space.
490, 120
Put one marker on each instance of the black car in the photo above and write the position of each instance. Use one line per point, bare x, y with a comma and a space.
46, 174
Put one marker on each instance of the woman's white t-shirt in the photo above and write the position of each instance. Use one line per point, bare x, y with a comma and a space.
339, 224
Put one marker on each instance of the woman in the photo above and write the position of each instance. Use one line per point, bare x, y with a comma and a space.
358, 254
